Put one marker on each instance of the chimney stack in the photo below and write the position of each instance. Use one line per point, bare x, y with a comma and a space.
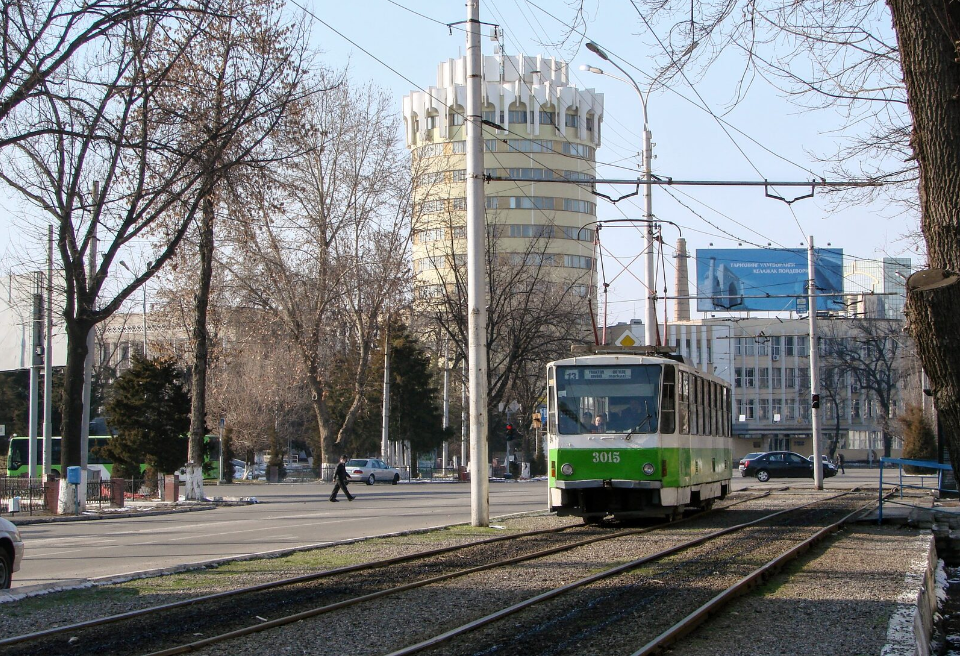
681, 309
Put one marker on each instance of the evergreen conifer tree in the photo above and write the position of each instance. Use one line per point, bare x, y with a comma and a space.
150, 409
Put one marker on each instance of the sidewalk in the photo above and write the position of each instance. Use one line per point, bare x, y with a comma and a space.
130, 509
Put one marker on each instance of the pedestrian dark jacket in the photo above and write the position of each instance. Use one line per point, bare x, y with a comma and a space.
341, 474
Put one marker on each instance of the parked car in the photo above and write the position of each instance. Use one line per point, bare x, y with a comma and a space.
371, 470
11, 552
827, 463
782, 464
747, 458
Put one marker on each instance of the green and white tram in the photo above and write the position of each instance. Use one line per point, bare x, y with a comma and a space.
635, 433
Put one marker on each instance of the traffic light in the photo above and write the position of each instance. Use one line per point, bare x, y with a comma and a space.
511, 433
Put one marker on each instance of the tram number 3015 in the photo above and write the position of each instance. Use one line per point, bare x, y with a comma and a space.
606, 456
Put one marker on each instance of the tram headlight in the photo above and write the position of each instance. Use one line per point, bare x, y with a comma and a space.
648, 468
566, 469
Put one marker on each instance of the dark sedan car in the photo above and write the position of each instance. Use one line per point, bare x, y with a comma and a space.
782, 464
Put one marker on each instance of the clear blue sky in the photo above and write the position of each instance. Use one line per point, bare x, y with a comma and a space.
690, 144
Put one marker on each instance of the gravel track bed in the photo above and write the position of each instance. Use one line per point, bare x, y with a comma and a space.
389, 623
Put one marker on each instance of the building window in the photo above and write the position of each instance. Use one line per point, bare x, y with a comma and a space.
589, 124
791, 375
776, 409
572, 120
430, 234
738, 377
432, 206
491, 115
764, 410
529, 146
582, 206
458, 147
764, 378
789, 347
490, 145
578, 262
518, 116
775, 347
531, 231
431, 122
431, 150
456, 118
459, 203
548, 118
749, 380
777, 377
578, 150
803, 346
803, 377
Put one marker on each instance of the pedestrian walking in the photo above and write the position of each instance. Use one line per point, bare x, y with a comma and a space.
840, 463
340, 480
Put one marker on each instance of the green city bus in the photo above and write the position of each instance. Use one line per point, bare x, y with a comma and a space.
17, 456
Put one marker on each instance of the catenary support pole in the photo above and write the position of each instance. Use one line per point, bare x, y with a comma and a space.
445, 455
385, 454
814, 368
36, 361
476, 287
48, 365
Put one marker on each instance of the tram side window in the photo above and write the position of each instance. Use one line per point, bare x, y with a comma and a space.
683, 406
695, 405
727, 413
714, 424
667, 401
551, 410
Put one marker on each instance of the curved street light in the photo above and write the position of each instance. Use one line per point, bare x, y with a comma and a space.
650, 319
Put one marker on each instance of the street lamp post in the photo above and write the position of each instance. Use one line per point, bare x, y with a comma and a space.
650, 319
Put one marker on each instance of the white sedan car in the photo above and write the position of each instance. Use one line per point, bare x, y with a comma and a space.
11, 552
371, 470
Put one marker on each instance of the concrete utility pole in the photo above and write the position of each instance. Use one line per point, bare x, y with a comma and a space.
385, 427
48, 365
814, 368
445, 454
476, 278
36, 361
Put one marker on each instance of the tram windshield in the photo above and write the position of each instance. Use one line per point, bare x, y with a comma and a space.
608, 399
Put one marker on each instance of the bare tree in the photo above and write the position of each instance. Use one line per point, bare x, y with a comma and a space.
91, 157
42, 38
324, 246
873, 354
234, 88
533, 313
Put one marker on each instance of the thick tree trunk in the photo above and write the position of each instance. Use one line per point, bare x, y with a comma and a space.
927, 34
72, 412
198, 403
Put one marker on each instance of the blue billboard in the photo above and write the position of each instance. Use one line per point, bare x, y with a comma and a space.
766, 280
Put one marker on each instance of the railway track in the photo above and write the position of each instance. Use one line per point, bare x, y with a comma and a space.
240, 612
629, 608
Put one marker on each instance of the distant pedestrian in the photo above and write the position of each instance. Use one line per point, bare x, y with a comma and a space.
840, 464
340, 480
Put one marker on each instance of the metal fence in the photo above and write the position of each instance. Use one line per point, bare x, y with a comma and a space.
22, 495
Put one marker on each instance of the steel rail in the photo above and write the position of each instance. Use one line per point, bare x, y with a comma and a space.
305, 578
702, 614
619, 569
199, 644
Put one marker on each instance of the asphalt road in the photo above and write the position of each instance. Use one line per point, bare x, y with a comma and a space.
288, 516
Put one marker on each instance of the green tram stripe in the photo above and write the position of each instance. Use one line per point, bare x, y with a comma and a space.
683, 466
